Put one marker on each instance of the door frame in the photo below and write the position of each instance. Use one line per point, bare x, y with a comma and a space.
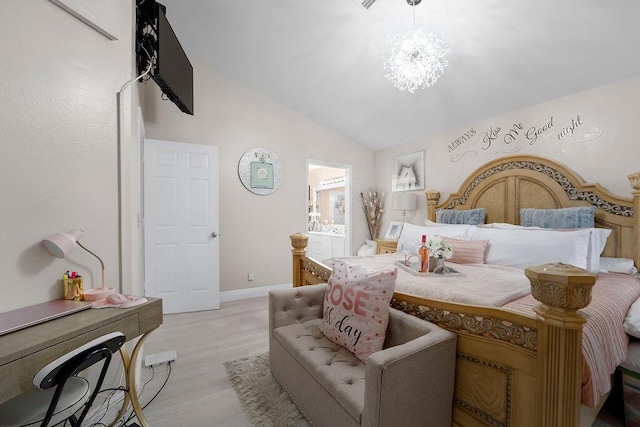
347, 193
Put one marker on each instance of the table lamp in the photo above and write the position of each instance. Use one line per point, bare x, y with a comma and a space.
404, 202
61, 244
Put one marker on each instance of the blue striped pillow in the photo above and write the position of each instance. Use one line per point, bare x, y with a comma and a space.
452, 216
578, 217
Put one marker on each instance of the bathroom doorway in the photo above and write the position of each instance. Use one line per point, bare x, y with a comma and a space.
328, 210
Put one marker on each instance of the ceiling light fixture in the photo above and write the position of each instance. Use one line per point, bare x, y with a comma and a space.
415, 59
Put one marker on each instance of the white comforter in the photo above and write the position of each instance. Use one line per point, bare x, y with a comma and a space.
477, 284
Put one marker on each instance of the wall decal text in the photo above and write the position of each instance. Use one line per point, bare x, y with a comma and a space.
534, 132
507, 140
490, 136
512, 133
569, 130
462, 139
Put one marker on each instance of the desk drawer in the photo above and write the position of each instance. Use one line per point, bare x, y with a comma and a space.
17, 376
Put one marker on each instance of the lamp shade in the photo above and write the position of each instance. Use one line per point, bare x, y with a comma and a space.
404, 201
61, 244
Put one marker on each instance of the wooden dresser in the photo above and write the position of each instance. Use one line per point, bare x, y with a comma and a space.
386, 246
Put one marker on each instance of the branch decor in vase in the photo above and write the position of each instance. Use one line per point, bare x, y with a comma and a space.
372, 203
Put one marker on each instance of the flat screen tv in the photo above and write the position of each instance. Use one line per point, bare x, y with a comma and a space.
158, 44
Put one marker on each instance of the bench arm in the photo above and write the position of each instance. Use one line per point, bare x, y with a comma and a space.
411, 383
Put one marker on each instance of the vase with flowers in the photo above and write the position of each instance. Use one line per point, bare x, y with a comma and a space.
372, 203
439, 250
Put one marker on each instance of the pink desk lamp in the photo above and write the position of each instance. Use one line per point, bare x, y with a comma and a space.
61, 244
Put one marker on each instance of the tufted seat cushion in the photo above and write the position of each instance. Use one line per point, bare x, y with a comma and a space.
338, 370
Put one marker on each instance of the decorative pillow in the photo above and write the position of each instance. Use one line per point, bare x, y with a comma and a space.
453, 216
468, 251
356, 307
521, 248
411, 237
578, 217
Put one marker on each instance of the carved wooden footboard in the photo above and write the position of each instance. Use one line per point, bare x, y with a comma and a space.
511, 370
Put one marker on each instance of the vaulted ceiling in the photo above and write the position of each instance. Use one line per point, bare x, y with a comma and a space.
324, 58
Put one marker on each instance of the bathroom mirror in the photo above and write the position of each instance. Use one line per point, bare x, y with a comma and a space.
327, 204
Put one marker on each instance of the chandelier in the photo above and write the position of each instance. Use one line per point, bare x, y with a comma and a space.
415, 59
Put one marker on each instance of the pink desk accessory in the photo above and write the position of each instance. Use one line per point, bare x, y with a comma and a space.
118, 301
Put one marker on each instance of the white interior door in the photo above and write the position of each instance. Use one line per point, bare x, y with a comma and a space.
181, 225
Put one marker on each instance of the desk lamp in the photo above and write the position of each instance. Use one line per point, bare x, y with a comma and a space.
61, 244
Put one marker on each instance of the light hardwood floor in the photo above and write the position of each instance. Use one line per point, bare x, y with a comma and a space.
198, 392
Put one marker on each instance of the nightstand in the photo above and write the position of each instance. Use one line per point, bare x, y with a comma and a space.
386, 246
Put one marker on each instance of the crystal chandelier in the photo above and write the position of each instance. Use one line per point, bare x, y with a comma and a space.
415, 59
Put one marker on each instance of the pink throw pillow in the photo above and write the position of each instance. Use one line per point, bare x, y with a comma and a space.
468, 251
356, 307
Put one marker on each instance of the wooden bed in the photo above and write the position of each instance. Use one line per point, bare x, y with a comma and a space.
515, 370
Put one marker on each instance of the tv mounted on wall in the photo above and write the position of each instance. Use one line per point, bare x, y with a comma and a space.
158, 47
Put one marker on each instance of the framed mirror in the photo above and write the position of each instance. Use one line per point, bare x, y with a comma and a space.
328, 204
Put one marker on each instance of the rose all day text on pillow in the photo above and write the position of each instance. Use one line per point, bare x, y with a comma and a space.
349, 299
356, 307
342, 325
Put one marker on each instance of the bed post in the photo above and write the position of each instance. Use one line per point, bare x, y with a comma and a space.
299, 243
562, 290
433, 197
634, 178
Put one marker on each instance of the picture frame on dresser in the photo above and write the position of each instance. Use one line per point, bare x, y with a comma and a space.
393, 230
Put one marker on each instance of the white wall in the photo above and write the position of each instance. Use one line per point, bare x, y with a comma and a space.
58, 151
603, 148
254, 230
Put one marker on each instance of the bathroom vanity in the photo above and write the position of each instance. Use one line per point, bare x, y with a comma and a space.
324, 245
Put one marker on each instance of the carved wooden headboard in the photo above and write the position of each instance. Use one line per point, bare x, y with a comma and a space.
505, 185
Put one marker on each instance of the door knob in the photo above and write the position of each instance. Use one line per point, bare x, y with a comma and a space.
214, 234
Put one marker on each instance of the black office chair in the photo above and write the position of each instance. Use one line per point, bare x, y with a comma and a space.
59, 392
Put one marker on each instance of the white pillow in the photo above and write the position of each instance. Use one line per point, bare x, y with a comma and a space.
617, 265
631, 323
525, 247
597, 240
597, 243
411, 237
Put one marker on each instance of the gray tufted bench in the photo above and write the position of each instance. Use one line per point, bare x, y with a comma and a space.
409, 382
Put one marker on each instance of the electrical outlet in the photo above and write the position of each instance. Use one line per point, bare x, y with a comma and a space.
250, 277
160, 358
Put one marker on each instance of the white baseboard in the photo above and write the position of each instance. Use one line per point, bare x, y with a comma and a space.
240, 294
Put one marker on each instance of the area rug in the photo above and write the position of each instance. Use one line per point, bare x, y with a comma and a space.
263, 399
